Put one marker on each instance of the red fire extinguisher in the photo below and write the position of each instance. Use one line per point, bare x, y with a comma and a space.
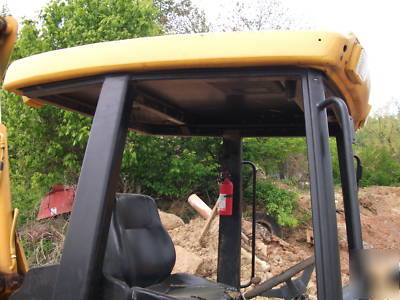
225, 195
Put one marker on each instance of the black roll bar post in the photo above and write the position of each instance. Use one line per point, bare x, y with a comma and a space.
80, 273
230, 227
326, 248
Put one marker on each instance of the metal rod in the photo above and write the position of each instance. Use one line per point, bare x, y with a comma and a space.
349, 184
253, 224
280, 278
80, 273
230, 227
348, 175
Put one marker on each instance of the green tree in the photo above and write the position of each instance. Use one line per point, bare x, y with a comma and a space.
378, 145
170, 168
277, 156
47, 144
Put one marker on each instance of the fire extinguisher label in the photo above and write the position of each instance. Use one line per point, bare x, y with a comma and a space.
222, 202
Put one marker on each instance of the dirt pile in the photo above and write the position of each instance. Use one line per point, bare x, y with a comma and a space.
170, 221
274, 254
380, 217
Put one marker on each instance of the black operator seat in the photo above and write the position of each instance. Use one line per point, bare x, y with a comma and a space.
140, 256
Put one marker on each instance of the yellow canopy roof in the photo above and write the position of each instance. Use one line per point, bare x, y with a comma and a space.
340, 56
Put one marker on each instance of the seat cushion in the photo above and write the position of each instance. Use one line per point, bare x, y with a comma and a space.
186, 286
139, 250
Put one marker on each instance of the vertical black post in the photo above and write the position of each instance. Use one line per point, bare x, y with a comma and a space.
322, 196
350, 201
81, 265
229, 244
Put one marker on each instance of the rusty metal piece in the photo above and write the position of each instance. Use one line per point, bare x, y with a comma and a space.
256, 280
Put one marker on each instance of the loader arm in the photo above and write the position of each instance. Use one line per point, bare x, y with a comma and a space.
12, 258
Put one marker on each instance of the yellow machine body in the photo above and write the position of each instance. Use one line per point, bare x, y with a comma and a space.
12, 258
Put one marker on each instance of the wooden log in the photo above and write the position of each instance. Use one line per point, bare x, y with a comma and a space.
200, 206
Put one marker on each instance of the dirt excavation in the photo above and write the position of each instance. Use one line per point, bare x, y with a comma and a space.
380, 216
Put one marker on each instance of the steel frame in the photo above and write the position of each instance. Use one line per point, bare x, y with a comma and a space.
81, 266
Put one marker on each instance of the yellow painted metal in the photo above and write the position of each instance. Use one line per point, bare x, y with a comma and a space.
13, 238
35, 103
326, 51
13, 262
22, 262
6, 212
7, 43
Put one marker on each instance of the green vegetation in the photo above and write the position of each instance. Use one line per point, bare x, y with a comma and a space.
378, 145
43, 241
280, 203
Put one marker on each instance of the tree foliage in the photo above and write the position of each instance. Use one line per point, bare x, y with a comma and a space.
170, 167
278, 202
378, 145
277, 156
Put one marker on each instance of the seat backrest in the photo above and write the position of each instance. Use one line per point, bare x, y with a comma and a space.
139, 250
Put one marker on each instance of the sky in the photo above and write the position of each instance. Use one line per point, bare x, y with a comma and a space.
376, 24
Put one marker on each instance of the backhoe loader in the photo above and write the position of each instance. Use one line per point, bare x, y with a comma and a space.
310, 84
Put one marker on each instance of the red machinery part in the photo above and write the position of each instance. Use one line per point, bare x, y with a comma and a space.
58, 201
225, 197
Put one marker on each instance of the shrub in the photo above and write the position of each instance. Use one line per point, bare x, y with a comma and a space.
278, 203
